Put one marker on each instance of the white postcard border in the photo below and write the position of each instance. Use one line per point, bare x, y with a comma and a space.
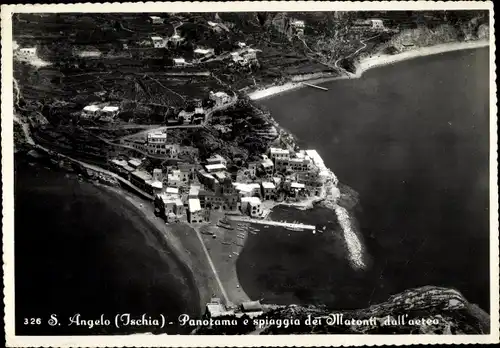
222, 341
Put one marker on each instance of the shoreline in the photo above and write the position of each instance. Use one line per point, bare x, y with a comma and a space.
172, 243
366, 64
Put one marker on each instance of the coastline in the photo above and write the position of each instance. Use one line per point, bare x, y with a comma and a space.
371, 63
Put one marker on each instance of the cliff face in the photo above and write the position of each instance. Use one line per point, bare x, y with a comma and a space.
426, 310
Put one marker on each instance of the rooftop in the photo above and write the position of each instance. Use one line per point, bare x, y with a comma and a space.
91, 108
194, 190
251, 200
203, 50
277, 150
194, 204
172, 190
135, 162
216, 166
157, 184
142, 175
110, 108
218, 310
297, 185
251, 306
120, 163
268, 185
160, 135
156, 38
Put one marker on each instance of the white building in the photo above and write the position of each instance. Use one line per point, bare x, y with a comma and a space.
220, 98
134, 162
275, 153
158, 42
195, 214
157, 174
110, 112
175, 39
194, 191
377, 23
91, 111
298, 26
179, 62
267, 166
217, 159
185, 116
156, 20
268, 190
156, 143
27, 52
203, 52
251, 206
213, 168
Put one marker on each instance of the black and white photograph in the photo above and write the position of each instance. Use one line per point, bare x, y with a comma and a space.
211, 170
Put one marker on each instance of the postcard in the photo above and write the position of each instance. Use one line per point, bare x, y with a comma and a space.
304, 174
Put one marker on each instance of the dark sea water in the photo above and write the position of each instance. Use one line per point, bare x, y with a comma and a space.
413, 140
79, 249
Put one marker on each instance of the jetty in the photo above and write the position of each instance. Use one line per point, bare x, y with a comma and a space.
296, 225
314, 86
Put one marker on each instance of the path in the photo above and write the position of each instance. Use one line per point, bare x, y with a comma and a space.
363, 42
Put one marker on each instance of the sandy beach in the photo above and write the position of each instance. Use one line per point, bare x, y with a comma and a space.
370, 63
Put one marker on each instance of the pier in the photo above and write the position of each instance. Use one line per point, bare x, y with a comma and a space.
314, 86
273, 223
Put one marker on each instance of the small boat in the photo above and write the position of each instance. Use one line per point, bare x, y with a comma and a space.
266, 226
252, 232
227, 227
226, 243
253, 229
241, 228
324, 228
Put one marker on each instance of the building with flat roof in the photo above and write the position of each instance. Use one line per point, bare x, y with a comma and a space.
155, 20
134, 162
140, 179
110, 111
90, 111
275, 153
195, 213
179, 62
251, 206
217, 159
267, 166
268, 190
220, 98
194, 191
216, 309
213, 168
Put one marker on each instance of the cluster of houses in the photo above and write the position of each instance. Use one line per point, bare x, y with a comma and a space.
104, 113
194, 189
244, 56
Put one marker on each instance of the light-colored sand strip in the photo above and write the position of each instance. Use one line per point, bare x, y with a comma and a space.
385, 59
373, 62
214, 270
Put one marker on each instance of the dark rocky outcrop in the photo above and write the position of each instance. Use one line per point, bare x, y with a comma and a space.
425, 310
